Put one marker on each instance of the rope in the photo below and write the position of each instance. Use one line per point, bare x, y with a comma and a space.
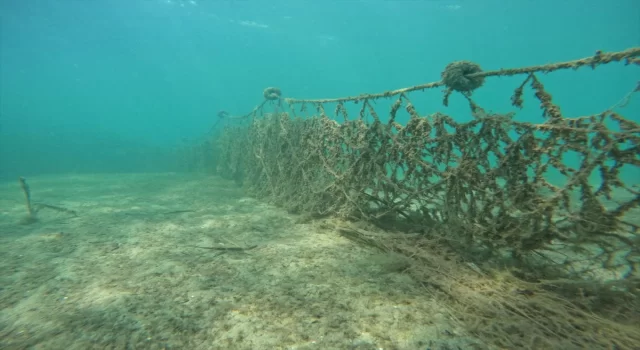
630, 55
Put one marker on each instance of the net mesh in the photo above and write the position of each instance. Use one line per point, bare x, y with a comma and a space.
529, 230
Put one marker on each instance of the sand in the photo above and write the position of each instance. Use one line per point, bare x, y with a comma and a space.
129, 272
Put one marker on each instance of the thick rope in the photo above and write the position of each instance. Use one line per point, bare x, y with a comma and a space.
630, 56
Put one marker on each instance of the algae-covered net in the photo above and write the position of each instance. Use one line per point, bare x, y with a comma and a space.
529, 230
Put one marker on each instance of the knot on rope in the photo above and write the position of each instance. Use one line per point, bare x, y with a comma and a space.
455, 76
272, 93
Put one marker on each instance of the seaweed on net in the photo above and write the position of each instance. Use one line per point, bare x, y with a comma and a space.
524, 259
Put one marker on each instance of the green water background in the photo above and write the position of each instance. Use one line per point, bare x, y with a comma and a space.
114, 86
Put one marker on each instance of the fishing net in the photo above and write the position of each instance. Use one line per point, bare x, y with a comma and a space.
528, 230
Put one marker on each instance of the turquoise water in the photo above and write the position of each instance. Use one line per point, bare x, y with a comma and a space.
103, 247
112, 86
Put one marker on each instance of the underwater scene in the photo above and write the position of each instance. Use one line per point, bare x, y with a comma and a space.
354, 174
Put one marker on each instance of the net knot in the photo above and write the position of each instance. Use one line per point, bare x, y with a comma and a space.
272, 93
456, 76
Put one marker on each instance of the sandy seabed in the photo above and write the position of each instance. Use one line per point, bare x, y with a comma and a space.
134, 270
